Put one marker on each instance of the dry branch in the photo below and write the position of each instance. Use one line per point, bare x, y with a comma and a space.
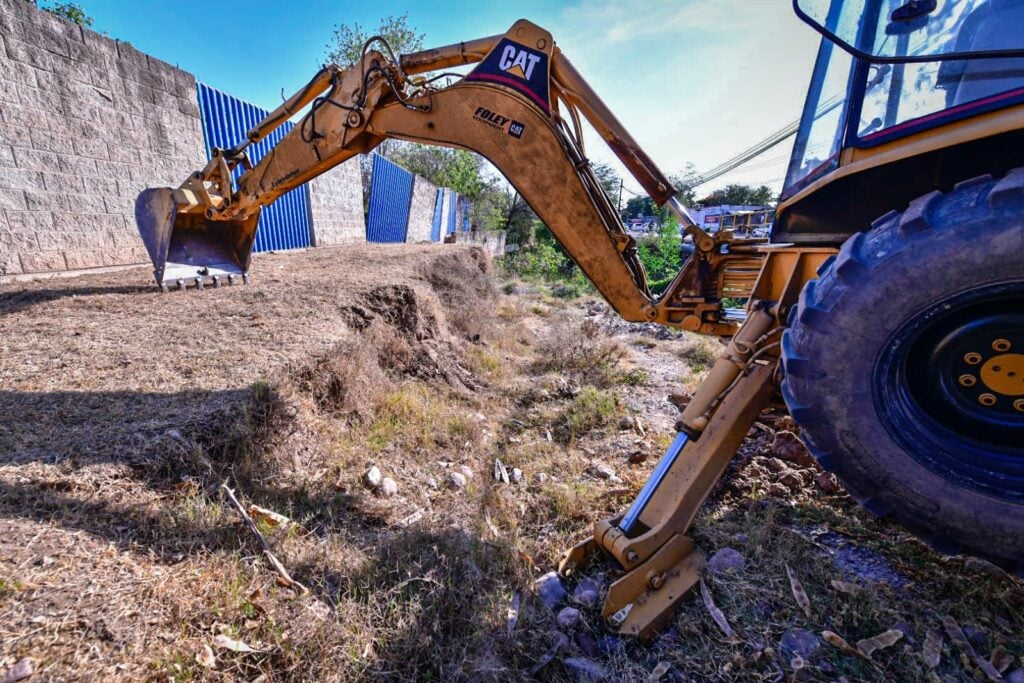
274, 562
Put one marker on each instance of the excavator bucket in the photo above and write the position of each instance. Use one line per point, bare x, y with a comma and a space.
188, 248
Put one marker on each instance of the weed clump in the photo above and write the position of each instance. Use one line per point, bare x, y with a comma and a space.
591, 409
697, 355
587, 354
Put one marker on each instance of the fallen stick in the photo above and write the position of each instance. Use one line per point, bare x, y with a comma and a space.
274, 562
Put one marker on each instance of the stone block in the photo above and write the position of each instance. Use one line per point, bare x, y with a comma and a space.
6, 156
188, 107
90, 147
30, 54
51, 141
60, 182
102, 186
13, 200
44, 99
20, 179
23, 74
84, 258
9, 92
19, 136
123, 238
25, 117
40, 200
129, 55
121, 256
113, 203
88, 53
10, 264
9, 24
165, 71
86, 203
42, 261
76, 165
51, 23
15, 240
36, 160
99, 43
46, 38
29, 221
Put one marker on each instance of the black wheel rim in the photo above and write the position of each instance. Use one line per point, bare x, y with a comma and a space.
949, 386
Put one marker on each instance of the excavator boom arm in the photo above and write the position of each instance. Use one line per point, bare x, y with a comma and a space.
520, 108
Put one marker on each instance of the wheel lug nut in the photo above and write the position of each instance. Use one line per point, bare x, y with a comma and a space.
972, 358
1001, 345
968, 380
987, 400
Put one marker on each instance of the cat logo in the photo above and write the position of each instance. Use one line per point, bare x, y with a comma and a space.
518, 61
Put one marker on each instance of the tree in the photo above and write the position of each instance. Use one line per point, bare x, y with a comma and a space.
608, 178
346, 47
71, 11
640, 205
739, 194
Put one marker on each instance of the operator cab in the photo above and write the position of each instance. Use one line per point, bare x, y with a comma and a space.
889, 70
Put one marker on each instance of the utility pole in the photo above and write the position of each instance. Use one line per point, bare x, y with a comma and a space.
618, 202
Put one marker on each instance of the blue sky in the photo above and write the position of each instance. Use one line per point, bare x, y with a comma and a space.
693, 80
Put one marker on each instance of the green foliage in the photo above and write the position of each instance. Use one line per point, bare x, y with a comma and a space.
661, 255
541, 261
346, 46
608, 178
739, 194
641, 205
71, 11
592, 408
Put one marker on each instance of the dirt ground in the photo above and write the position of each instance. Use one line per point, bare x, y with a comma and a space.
123, 411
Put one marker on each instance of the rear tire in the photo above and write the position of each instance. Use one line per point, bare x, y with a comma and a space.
875, 357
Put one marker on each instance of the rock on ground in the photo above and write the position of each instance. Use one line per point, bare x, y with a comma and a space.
372, 477
727, 560
388, 487
787, 446
797, 641
455, 481
587, 592
569, 618
584, 669
550, 590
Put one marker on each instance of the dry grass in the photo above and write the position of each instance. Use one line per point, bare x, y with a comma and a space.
119, 559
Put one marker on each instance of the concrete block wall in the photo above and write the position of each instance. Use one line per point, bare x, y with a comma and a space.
85, 124
336, 205
491, 240
421, 210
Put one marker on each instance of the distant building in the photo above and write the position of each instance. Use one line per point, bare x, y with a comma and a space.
642, 225
710, 217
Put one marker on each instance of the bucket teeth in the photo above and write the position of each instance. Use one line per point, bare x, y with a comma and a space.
193, 247
181, 285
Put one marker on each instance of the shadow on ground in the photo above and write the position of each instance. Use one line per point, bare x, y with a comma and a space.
20, 300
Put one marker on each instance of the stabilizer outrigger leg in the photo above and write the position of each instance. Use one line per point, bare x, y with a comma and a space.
649, 541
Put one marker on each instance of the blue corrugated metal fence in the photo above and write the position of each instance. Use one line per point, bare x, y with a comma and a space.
451, 205
226, 119
464, 213
390, 197
435, 224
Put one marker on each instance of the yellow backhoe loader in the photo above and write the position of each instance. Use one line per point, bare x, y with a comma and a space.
886, 308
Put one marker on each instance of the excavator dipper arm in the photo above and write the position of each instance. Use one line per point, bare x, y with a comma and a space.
521, 108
